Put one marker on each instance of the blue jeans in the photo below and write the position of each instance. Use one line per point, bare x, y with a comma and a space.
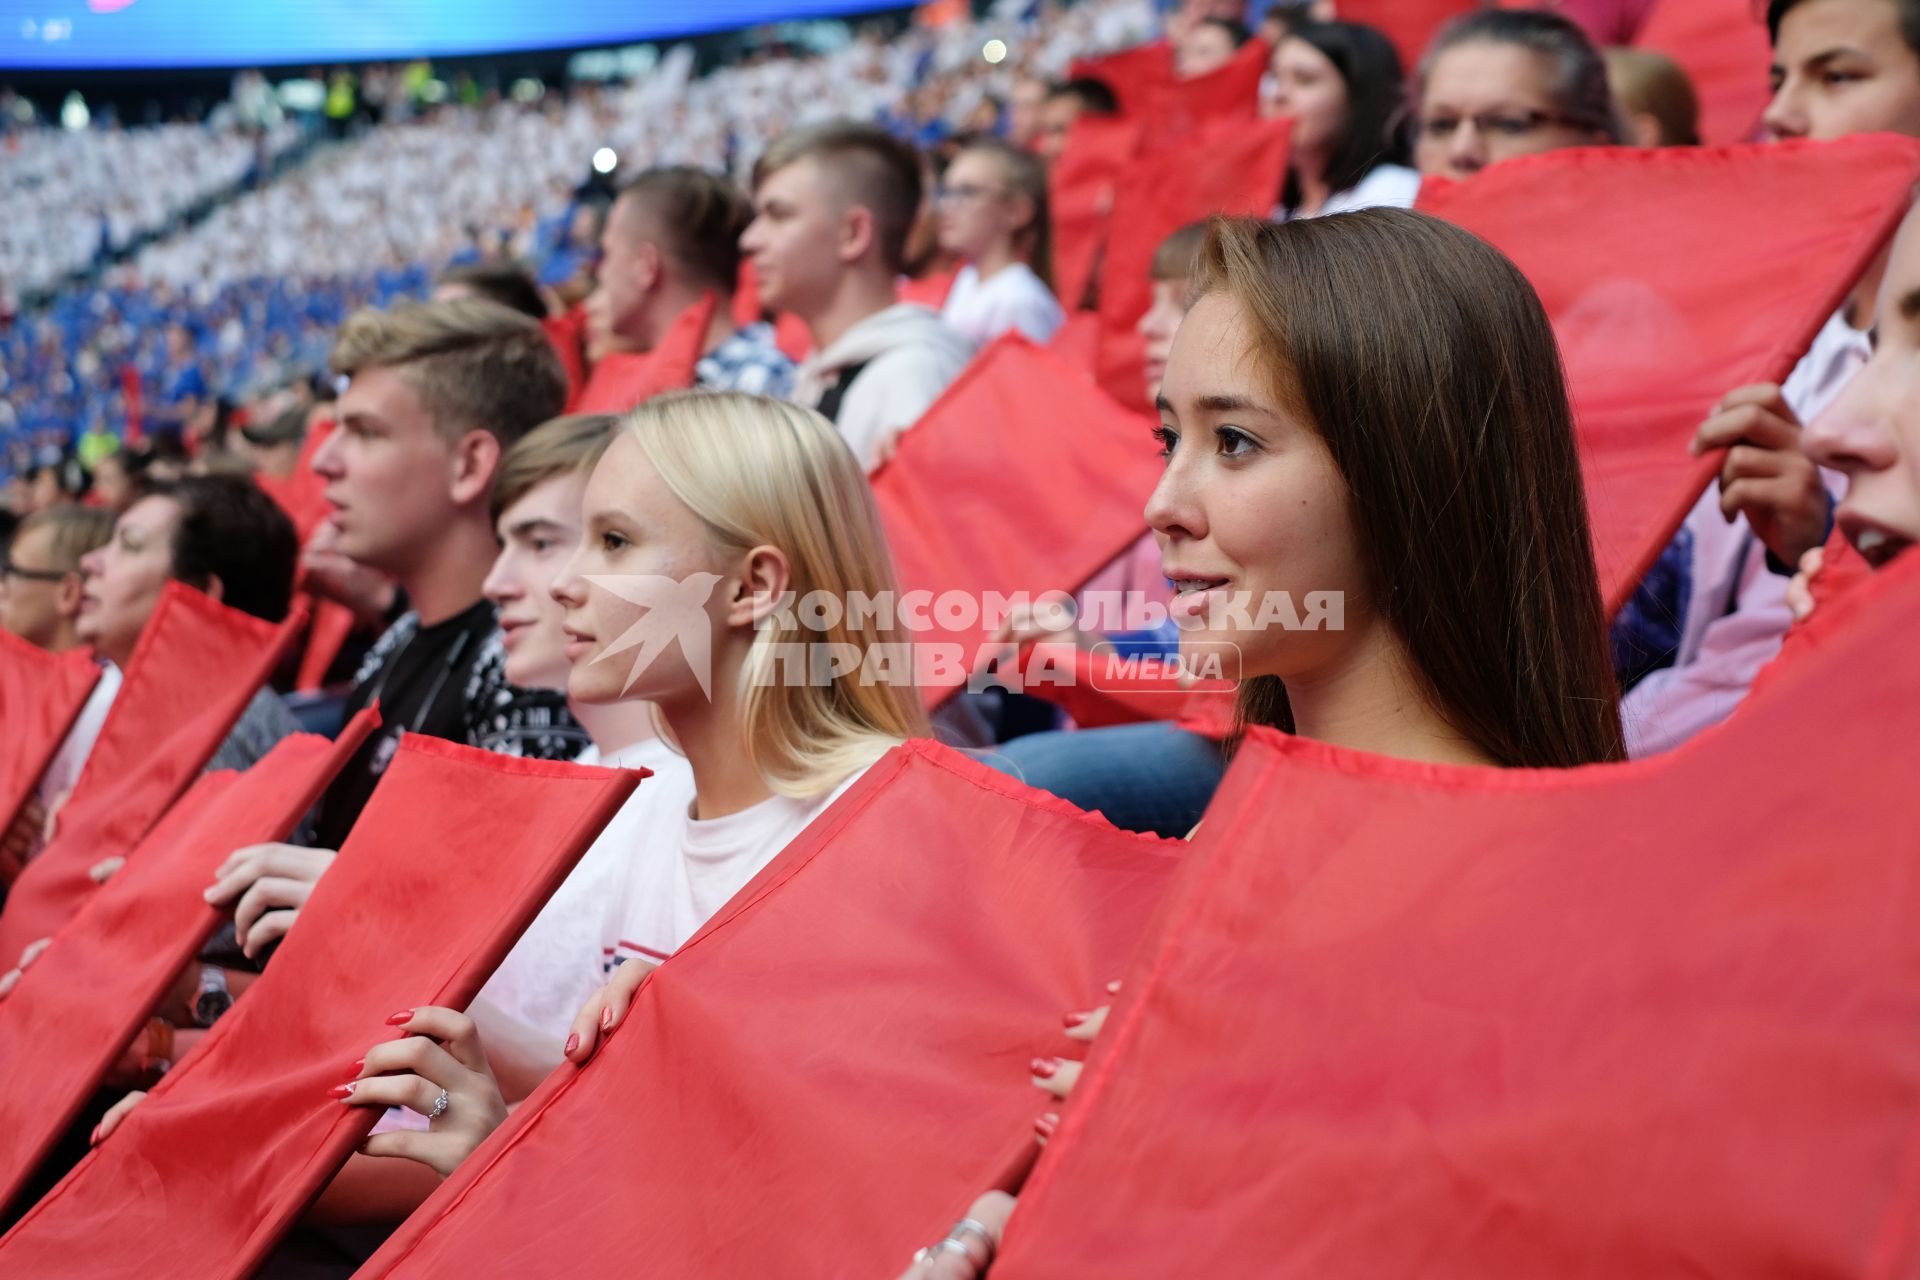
1142, 777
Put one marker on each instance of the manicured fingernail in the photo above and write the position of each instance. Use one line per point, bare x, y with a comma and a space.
342, 1090
573, 1042
359, 1066
1075, 1019
606, 1018
401, 1018
1044, 1067
1113, 988
1046, 1124
94, 1141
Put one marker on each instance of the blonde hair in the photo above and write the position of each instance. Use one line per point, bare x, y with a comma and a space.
74, 531
476, 365
762, 472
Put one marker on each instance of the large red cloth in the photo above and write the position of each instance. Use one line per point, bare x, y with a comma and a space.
568, 334
1180, 113
195, 668
1410, 24
624, 380
967, 510
1722, 45
1134, 75
1232, 168
41, 695
773, 1104
1080, 191
1672, 277
428, 895
64, 1023
1651, 1020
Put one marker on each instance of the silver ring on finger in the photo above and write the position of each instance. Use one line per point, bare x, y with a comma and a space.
439, 1107
971, 1227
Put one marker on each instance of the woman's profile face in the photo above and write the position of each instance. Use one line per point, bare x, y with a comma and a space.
1307, 87
124, 579
1487, 101
1252, 514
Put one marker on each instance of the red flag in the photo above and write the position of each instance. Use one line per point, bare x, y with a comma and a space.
195, 668
1179, 112
128, 943
425, 899
1078, 341
1099, 687
847, 1014
1646, 1020
568, 334
791, 335
1021, 477
1410, 24
41, 695
1722, 45
1133, 74
331, 624
1231, 168
1650, 264
624, 380
928, 291
1080, 193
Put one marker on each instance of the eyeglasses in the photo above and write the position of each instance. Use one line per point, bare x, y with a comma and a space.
1496, 124
966, 191
8, 569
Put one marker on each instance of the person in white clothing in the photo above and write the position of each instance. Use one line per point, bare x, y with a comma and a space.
718, 511
993, 213
833, 206
1342, 85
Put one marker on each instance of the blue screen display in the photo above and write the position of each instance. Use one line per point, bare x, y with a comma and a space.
48, 34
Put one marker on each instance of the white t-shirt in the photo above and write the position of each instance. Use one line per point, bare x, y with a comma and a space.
688, 869
1012, 298
1386, 186
555, 966
64, 769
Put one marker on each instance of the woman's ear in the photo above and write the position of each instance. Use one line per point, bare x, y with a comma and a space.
761, 588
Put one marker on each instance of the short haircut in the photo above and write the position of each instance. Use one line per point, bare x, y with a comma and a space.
72, 531
500, 282
1175, 257
693, 216
877, 171
1578, 82
1095, 95
573, 442
476, 365
1646, 81
1909, 11
1236, 30
231, 530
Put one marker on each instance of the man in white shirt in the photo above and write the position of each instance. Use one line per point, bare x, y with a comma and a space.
833, 206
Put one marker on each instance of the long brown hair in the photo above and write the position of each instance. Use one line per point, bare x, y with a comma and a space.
1428, 365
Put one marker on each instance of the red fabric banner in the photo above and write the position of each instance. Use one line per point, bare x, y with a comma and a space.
1078, 341
1722, 45
195, 668
1642, 1020
1179, 112
624, 380
963, 513
1231, 168
1080, 192
1410, 24
1099, 687
1650, 264
1134, 75
568, 334
428, 895
773, 1103
41, 695
87, 995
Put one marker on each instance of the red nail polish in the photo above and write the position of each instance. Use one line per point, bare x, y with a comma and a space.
1045, 1125
606, 1018
359, 1066
1075, 1019
341, 1090
94, 1141
573, 1042
400, 1018
1044, 1067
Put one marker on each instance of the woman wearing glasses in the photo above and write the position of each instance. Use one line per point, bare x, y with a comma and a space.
1503, 83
